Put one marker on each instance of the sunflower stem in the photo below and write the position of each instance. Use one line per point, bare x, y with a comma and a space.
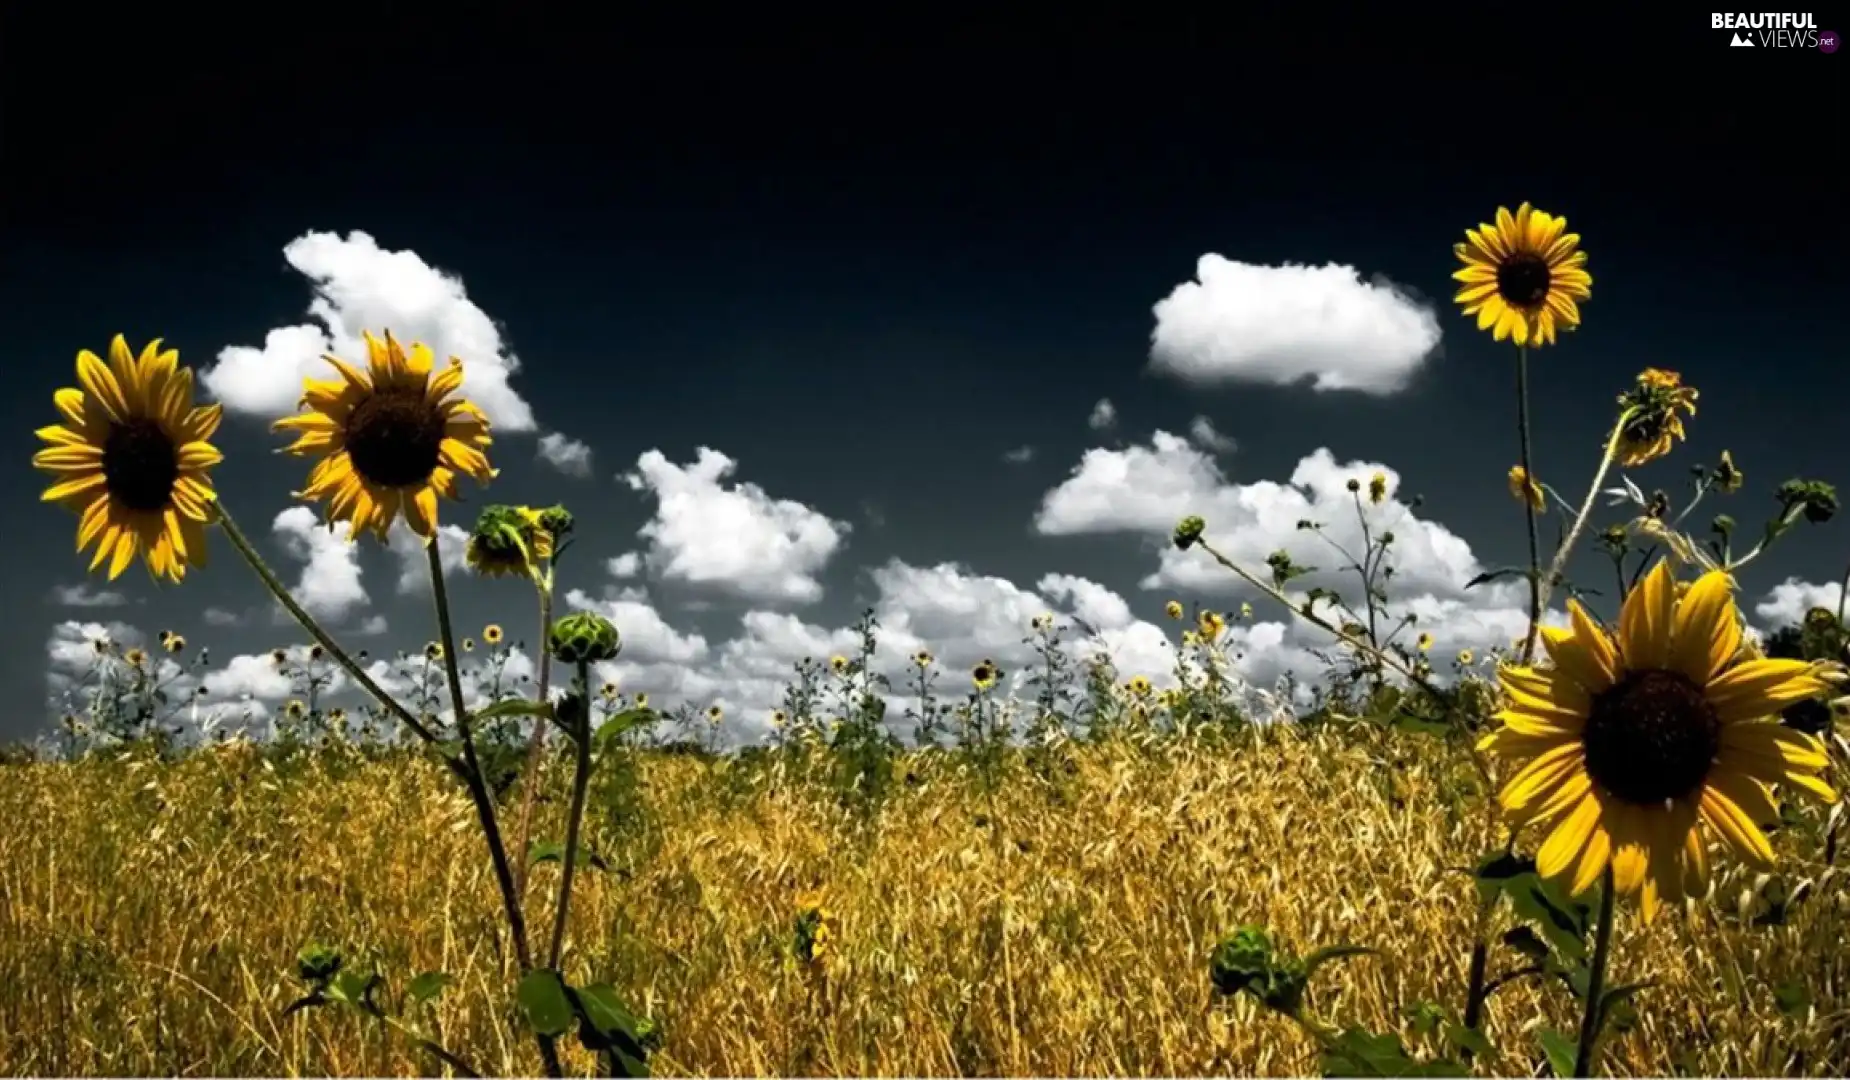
1528, 507
581, 776
478, 791
1562, 553
283, 596
523, 831
1591, 1018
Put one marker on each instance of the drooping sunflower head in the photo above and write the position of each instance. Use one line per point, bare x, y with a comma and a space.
1626, 744
391, 439
1523, 276
131, 458
1523, 488
1658, 399
508, 541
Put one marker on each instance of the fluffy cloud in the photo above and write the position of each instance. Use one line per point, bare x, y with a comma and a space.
70, 651
1104, 415
568, 455
1278, 325
735, 538
1145, 490
414, 560
81, 595
359, 286
1785, 604
626, 565
1202, 433
1021, 455
329, 587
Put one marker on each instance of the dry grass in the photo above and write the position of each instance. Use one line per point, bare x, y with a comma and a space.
150, 914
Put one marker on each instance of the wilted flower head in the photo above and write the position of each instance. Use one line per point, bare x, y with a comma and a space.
506, 541
1377, 488
1659, 397
1523, 488
1727, 478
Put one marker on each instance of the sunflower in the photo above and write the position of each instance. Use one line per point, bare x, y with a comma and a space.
1209, 626
391, 439
1625, 745
1425, 642
838, 664
1523, 488
984, 675
131, 458
1657, 396
922, 658
492, 633
508, 541
1139, 686
1377, 488
1173, 609
1522, 276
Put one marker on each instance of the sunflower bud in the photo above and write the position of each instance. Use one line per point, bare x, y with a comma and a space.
1189, 530
1723, 526
557, 520
583, 638
317, 964
1726, 478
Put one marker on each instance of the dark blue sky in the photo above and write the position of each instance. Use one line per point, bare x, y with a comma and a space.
865, 269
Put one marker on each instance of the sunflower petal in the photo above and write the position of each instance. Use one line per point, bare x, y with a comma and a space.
1757, 688
1707, 633
1733, 825
1646, 620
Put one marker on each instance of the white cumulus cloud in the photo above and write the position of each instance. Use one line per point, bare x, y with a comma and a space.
414, 559
359, 285
1021, 455
330, 586
81, 595
566, 454
1786, 603
1278, 325
734, 538
1104, 415
1202, 433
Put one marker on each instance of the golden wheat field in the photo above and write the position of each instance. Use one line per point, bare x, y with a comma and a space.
150, 916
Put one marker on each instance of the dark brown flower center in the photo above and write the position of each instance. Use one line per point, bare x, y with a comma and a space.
1522, 280
395, 438
1651, 737
140, 465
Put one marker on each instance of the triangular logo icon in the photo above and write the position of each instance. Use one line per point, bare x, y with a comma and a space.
1740, 41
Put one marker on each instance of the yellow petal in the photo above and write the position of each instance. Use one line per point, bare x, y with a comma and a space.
1568, 838
1734, 826
100, 387
1772, 749
1707, 634
1757, 688
1540, 777
1645, 622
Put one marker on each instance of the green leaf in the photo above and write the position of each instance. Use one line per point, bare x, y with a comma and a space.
622, 724
1497, 870
1465, 1038
1357, 1052
427, 986
554, 851
1424, 1016
1418, 725
512, 707
352, 988
1500, 574
1793, 999
607, 1025
1560, 1050
543, 1002
1563, 921
1523, 940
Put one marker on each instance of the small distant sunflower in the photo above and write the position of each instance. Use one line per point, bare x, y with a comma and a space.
468, 644
838, 664
1377, 488
1466, 658
778, 719
1209, 627
295, 710
1138, 685
1626, 744
985, 674
1523, 488
715, 714
136, 658
922, 658
1425, 642
391, 439
316, 652
1658, 396
1173, 609
1522, 276
131, 459
492, 633
642, 701
279, 657
172, 642
433, 651
607, 691
1246, 610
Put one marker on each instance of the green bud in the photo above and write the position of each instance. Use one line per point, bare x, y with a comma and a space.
1188, 531
316, 964
585, 638
1722, 525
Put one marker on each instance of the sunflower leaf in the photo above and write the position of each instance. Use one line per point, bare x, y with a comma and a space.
1499, 574
1319, 957
1559, 1049
513, 707
1792, 998
1359, 1052
543, 1002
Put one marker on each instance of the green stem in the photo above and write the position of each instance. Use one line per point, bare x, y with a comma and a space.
1591, 1018
347, 663
478, 791
523, 831
581, 777
1528, 507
